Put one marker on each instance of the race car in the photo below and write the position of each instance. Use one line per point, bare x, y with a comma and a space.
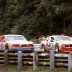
15, 42
59, 43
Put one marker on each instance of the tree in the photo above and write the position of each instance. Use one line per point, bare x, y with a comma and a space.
35, 17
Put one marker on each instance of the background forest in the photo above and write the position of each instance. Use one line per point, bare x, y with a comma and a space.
35, 17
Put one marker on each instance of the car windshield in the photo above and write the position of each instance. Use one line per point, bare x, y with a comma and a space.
63, 38
10, 38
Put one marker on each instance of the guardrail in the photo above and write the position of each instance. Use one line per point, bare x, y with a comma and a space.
36, 57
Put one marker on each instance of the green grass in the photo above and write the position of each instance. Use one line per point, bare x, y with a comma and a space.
29, 69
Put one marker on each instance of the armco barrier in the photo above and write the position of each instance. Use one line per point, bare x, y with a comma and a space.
36, 57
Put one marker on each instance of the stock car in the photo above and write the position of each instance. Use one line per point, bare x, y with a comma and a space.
59, 43
15, 42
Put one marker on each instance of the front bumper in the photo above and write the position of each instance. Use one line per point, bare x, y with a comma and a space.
22, 49
18, 49
66, 49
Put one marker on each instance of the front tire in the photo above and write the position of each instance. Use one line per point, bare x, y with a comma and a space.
6, 47
56, 48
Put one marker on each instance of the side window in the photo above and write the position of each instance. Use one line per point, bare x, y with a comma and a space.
47, 38
52, 39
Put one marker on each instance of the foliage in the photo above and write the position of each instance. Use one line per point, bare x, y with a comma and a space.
35, 17
36, 41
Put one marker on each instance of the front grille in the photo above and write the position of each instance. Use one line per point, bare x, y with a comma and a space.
70, 45
66, 45
16, 45
24, 45
30, 45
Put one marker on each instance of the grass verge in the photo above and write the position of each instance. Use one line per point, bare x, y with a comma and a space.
13, 68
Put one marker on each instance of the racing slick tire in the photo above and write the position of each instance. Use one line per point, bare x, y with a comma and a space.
6, 47
56, 48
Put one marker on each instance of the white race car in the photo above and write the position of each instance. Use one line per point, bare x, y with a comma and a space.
59, 43
15, 42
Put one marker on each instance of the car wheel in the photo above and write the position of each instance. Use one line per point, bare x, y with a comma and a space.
6, 47
56, 48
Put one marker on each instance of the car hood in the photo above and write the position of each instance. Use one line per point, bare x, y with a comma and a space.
64, 42
19, 42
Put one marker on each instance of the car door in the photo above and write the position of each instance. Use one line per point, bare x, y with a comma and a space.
50, 41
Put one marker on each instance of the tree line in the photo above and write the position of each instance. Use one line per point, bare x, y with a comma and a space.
35, 17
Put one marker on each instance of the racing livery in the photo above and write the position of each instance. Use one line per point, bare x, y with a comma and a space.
15, 41
59, 43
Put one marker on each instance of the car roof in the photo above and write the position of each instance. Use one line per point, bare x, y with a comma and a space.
58, 36
11, 35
